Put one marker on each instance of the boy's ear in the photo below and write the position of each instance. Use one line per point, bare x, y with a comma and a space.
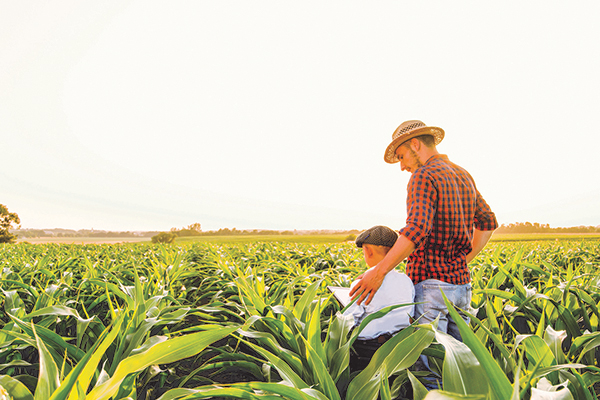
368, 250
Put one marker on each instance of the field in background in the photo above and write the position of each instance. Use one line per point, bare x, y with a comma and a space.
497, 237
524, 237
83, 240
316, 239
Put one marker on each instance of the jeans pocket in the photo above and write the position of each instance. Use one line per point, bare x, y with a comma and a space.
464, 300
434, 301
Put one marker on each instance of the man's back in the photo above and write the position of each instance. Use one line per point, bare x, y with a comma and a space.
443, 205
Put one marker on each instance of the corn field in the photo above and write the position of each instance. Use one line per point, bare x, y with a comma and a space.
255, 321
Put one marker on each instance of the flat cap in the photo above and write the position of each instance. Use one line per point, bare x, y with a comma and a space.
378, 235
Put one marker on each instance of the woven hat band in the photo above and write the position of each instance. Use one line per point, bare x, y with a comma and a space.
406, 131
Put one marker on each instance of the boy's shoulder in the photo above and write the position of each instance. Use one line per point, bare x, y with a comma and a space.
398, 277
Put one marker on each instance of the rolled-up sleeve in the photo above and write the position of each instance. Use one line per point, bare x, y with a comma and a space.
421, 207
484, 219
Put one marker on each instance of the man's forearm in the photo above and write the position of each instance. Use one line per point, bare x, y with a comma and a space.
480, 239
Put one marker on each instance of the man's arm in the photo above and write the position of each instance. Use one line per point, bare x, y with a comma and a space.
371, 280
480, 239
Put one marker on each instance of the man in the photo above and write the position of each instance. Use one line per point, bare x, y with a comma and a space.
396, 288
448, 223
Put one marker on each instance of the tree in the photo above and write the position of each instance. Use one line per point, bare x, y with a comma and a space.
6, 221
164, 237
195, 227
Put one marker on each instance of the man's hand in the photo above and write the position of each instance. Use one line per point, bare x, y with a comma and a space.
368, 285
372, 279
480, 239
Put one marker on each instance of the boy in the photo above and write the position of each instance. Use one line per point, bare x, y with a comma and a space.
397, 288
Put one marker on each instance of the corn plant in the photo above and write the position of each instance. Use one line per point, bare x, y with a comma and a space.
92, 321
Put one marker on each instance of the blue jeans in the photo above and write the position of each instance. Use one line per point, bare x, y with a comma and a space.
429, 292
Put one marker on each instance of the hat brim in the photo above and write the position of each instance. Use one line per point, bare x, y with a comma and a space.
390, 156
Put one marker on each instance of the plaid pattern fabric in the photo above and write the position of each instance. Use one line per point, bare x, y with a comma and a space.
443, 206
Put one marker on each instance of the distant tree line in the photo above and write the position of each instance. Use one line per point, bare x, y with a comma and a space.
230, 232
195, 230
190, 230
35, 233
528, 227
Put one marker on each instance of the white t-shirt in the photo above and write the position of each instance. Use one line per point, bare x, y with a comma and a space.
397, 288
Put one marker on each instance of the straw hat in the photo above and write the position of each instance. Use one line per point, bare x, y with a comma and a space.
406, 131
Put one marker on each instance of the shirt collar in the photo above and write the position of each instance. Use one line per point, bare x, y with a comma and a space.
443, 157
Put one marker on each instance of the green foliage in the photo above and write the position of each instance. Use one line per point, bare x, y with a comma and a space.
6, 220
254, 320
164, 237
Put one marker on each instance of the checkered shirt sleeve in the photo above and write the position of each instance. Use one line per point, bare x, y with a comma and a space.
421, 206
443, 207
485, 219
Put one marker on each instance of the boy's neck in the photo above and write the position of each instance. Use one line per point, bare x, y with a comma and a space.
376, 258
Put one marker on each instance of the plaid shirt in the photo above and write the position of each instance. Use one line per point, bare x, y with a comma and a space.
443, 206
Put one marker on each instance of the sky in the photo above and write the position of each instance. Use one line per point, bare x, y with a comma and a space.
148, 115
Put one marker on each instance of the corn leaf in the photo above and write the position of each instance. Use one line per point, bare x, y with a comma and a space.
85, 369
320, 372
444, 395
250, 298
250, 390
398, 353
57, 310
82, 323
288, 392
13, 304
175, 394
497, 339
337, 334
419, 390
288, 330
384, 387
15, 388
56, 342
14, 363
500, 387
116, 290
517, 382
162, 353
462, 373
588, 341
267, 340
48, 378
314, 334
302, 307
542, 371
537, 351
284, 369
